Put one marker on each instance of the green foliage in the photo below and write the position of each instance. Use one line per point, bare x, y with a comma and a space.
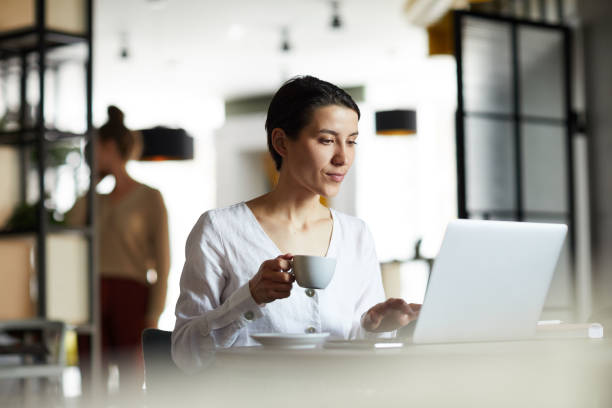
25, 218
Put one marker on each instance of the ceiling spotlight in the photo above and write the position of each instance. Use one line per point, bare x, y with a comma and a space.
124, 49
336, 21
285, 45
157, 4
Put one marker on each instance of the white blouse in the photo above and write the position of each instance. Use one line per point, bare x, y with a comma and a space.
225, 250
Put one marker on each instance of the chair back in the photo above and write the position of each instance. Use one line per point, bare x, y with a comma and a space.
160, 369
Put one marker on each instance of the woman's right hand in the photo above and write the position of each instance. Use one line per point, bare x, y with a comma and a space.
272, 280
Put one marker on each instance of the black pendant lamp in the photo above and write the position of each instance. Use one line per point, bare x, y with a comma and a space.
398, 122
161, 143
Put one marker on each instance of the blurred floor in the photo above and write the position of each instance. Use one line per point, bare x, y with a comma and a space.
35, 393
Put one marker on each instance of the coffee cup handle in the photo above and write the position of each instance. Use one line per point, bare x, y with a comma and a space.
290, 271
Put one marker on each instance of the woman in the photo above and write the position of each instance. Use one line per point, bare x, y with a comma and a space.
235, 279
133, 238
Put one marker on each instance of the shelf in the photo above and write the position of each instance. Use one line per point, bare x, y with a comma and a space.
508, 117
51, 229
30, 136
63, 229
27, 56
24, 349
511, 214
35, 323
31, 371
85, 328
27, 40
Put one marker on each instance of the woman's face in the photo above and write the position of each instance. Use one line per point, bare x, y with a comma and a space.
324, 150
107, 155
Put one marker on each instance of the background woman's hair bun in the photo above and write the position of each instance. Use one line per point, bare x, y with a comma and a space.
114, 130
115, 116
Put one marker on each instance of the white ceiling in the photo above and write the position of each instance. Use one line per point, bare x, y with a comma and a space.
232, 47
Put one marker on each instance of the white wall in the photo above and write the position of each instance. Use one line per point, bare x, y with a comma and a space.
188, 189
242, 137
407, 188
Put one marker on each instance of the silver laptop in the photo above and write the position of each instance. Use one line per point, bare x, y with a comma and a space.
489, 281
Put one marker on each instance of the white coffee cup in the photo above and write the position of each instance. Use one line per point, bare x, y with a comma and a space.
314, 272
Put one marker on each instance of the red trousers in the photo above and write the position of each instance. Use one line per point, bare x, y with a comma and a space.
124, 305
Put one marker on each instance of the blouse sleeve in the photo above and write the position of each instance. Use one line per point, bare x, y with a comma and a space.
372, 291
203, 322
161, 255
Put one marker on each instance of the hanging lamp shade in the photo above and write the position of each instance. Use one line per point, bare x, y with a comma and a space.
399, 122
161, 143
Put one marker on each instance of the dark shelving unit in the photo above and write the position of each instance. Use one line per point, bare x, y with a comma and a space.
29, 136
29, 49
52, 229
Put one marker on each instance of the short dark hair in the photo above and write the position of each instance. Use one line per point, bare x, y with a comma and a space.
292, 106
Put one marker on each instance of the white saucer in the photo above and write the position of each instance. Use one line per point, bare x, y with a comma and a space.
290, 340
365, 344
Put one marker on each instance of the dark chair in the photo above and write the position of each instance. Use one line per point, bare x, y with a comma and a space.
160, 370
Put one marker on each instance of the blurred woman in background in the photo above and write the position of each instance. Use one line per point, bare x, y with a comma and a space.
132, 231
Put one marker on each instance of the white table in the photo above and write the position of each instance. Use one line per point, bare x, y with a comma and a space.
551, 373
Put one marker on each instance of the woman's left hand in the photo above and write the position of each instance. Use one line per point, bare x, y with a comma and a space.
390, 315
